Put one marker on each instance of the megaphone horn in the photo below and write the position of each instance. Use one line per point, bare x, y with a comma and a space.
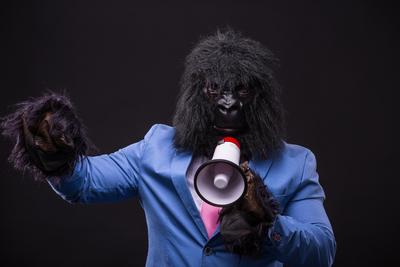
220, 181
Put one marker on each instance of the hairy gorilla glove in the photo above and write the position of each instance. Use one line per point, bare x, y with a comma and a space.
48, 136
244, 224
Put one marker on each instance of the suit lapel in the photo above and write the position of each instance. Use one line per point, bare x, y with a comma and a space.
180, 164
261, 166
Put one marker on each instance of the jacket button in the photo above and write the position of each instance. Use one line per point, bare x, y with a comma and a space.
277, 237
208, 251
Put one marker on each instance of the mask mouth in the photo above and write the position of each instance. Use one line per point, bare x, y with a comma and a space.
227, 130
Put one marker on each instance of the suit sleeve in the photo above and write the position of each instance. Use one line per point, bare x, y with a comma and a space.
105, 178
302, 235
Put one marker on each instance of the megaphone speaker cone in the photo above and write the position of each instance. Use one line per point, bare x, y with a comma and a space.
220, 182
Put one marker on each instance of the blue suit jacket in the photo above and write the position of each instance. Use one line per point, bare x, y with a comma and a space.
155, 172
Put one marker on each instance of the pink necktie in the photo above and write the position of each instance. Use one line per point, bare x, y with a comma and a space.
209, 214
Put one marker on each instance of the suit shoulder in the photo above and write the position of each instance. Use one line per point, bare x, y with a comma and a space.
292, 156
158, 144
159, 132
294, 150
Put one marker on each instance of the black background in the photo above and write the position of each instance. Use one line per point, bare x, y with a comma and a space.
121, 62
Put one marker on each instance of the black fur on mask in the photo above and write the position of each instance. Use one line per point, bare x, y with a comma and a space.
228, 59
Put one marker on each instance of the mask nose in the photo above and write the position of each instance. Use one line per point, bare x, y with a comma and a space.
227, 104
229, 112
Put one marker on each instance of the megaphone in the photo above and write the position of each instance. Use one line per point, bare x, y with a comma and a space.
220, 181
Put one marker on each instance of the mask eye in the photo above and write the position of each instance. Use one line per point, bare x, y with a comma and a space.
243, 92
211, 91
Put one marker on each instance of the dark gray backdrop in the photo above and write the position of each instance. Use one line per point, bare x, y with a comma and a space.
121, 63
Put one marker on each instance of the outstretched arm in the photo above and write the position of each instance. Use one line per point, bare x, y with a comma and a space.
104, 178
50, 142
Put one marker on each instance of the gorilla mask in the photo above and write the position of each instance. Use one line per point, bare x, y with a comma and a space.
228, 88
